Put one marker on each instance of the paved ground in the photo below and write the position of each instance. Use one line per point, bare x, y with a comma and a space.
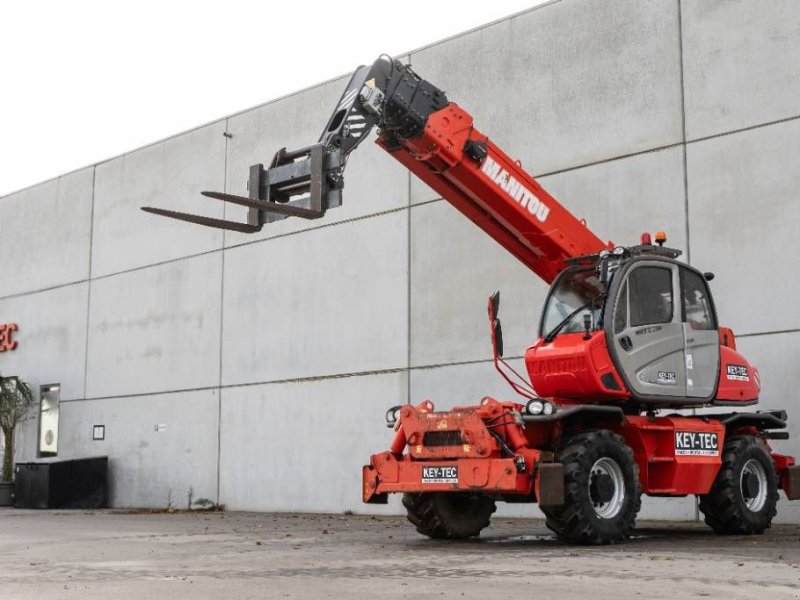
109, 554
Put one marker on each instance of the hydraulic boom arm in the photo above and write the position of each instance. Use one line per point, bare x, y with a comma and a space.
434, 139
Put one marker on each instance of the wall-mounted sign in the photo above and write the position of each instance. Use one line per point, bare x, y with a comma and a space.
7, 341
48, 419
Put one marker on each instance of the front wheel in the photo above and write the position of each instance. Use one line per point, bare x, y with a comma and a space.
744, 496
449, 515
602, 494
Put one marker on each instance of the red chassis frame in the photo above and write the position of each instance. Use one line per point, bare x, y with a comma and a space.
509, 463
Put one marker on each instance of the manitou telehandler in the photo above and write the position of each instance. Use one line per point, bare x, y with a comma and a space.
628, 334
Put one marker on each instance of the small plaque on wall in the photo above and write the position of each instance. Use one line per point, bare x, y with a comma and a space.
98, 432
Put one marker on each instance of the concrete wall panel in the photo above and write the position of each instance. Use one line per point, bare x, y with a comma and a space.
156, 329
44, 234
301, 446
170, 174
743, 214
374, 181
454, 269
740, 63
462, 385
332, 301
160, 448
623, 198
26, 438
567, 84
51, 341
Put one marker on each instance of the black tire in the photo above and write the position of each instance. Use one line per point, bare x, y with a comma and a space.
449, 515
744, 496
602, 493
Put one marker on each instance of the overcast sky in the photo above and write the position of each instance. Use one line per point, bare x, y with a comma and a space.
84, 80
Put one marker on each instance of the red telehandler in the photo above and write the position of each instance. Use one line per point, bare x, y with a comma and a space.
628, 335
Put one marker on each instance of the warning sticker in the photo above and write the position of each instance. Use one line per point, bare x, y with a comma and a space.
738, 373
696, 443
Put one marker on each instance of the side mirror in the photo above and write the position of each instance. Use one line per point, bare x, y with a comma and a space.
494, 304
497, 337
708, 276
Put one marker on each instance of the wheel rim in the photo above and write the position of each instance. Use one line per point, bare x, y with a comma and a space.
753, 485
610, 507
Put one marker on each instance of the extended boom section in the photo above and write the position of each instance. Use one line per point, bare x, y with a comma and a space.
437, 141
480, 180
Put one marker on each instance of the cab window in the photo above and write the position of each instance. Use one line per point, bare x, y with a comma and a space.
650, 296
621, 310
697, 309
574, 293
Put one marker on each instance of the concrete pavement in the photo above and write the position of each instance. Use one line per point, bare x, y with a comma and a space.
136, 555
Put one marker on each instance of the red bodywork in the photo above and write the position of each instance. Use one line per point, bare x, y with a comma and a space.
571, 369
462, 439
736, 385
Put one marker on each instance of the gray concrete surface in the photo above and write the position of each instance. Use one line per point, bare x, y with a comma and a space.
298, 307
740, 64
619, 199
245, 555
303, 469
46, 234
744, 190
54, 337
268, 355
151, 434
155, 330
178, 169
454, 269
609, 68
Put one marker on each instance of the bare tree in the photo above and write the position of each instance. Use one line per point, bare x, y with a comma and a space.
16, 400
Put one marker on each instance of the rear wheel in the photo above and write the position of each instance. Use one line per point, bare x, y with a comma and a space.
602, 494
744, 496
449, 515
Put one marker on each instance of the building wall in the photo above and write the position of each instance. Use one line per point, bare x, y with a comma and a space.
269, 360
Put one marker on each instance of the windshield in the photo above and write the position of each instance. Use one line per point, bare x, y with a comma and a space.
572, 292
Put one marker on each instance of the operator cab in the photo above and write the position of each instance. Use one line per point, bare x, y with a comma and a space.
634, 323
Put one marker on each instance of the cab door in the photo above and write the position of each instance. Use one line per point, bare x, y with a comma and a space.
701, 335
648, 332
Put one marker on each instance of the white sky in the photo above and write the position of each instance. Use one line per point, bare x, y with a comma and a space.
84, 80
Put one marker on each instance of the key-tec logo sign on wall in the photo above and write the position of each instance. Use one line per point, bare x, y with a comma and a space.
7, 341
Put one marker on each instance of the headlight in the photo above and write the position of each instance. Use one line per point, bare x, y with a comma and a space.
619, 250
539, 407
391, 416
535, 407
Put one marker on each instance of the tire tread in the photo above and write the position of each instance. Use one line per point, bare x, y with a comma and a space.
435, 518
722, 508
572, 522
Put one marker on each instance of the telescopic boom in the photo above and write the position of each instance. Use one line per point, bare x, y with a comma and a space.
436, 140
